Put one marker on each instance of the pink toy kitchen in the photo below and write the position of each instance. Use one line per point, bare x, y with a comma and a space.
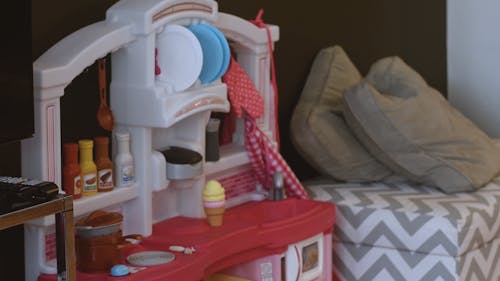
200, 190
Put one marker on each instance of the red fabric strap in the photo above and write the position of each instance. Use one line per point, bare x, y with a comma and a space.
259, 22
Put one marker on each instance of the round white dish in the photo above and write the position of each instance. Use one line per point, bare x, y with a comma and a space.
150, 258
180, 57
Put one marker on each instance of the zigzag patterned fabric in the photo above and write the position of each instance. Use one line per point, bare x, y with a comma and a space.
413, 232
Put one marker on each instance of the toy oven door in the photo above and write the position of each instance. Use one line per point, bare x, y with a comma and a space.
303, 261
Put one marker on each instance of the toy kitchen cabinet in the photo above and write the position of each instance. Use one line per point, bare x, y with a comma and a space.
157, 115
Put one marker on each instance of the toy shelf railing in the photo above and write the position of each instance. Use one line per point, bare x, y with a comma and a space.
231, 155
101, 200
165, 109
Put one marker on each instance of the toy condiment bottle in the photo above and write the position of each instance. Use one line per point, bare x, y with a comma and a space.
88, 168
72, 180
103, 164
124, 162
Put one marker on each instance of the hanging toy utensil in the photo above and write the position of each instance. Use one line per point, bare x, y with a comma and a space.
104, 114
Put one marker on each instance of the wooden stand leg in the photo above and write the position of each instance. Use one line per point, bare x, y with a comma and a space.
65, 243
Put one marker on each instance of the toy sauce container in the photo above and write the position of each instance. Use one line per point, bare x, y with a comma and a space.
103, 164
88, 168
72, 180
124, 162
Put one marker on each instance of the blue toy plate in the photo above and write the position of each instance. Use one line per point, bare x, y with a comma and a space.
213, 52
226, 51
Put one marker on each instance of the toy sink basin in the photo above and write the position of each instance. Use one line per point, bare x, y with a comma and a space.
277, 212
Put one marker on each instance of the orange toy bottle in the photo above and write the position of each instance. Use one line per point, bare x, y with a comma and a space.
72, 180
88, 168
104, 165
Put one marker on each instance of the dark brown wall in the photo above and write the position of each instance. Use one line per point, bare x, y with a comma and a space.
368, 30
52, 20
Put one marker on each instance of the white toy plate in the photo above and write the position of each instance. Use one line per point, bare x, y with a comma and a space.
180, 57
150, 258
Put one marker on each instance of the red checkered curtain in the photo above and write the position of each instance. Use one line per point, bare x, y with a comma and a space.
266, 160
245, 98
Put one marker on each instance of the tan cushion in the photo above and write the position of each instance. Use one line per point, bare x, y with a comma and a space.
410, 127
318, 129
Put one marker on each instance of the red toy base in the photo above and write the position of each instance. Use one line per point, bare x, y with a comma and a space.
250, 231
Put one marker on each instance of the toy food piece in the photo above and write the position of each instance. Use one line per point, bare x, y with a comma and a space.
214, 202
181, 249
119, 270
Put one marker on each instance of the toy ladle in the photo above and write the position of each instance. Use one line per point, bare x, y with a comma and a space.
104, 113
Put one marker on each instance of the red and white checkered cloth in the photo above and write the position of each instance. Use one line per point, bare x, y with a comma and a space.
244, 97
266, 160
242, 92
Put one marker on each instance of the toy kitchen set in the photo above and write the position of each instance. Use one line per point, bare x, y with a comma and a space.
167, 60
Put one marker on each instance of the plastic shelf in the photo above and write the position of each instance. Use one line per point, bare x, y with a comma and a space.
85, 205
231, 156
165, 109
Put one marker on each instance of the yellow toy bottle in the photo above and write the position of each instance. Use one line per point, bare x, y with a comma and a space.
88, 168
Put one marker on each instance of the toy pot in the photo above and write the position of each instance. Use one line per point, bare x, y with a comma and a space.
101, 253
99, 223
97, 231
99, 241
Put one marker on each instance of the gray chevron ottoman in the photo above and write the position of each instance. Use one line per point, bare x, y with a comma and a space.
409, 232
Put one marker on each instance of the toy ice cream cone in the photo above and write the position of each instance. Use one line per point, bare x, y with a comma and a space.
214, 202
215, 215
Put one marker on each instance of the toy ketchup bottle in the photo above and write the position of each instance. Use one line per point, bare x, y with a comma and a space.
88, 168
72, 180
103, 164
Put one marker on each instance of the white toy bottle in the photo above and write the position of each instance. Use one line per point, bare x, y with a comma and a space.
123, 161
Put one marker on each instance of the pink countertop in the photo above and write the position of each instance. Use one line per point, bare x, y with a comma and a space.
249, 231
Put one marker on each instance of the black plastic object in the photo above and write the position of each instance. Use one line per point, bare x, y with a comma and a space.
212, 140
278, 190
180, 155
16, 72
19, 193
